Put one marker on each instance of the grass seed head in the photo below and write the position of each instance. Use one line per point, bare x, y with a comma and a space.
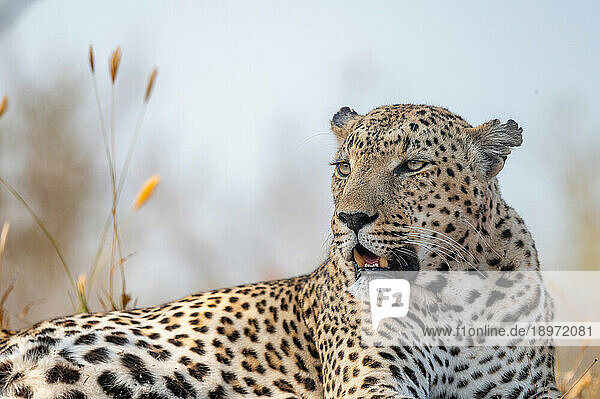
3, 105
114, 61
81, 284
92, 58
146, 191
150, 85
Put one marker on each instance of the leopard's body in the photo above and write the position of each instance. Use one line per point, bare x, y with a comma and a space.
301, 337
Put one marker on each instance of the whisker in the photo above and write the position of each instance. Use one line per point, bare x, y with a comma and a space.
398, 259
430, 246
406, 252
448, 255
430, 250
465, 221
455, 244
439, 245
452, 245
442, 234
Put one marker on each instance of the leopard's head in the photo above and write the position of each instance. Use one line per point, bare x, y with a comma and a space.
412, 183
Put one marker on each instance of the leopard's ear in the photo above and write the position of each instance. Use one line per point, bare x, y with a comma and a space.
493, 141
342, 123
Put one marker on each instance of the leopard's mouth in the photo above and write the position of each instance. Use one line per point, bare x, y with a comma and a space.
404, 260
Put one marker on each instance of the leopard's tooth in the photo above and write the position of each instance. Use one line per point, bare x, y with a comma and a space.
360, 261
383, 262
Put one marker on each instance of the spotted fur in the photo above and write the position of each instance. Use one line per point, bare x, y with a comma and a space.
301, 337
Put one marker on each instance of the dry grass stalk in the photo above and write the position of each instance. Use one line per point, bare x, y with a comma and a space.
116, 259
150, 84
81, 296
115, 246
125, 300
577, 389
586, 386
3, 236
3, 105
146, 192
3, 315
115, 59
42, 227
109, 160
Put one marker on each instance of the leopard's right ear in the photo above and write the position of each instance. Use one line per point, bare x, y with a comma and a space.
342, 123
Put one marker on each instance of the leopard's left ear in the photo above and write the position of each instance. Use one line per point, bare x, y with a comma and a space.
493, 141
342, 123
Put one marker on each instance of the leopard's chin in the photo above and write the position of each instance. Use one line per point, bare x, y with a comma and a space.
404, 259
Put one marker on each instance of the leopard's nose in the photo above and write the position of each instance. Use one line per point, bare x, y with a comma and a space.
356, 220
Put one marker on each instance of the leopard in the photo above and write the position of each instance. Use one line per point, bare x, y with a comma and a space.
399, 171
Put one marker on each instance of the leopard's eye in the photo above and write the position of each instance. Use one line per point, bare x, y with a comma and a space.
415, 165
342, 169
409, 167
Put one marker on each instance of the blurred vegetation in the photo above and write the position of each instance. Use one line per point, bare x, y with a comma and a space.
582, 182
579, 183
44, 153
